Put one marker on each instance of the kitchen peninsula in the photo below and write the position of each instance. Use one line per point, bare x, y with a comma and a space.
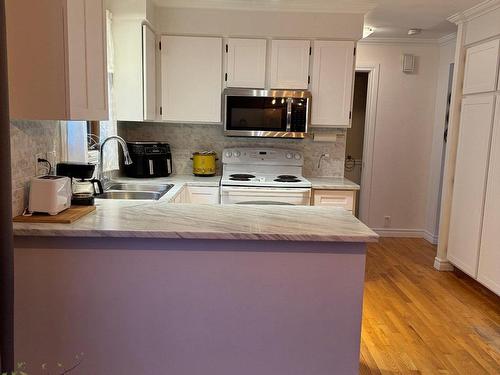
184, 289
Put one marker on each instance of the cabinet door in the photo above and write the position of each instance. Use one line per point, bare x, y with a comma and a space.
246, 63
335, 198
489, 256
290, 64
203, 195
470, 182
481, 68
191, 79
149, 72
332, 83
87, 64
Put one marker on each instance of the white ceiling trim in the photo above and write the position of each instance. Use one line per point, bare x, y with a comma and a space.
450, 38
391, 41
476, 11
276, 6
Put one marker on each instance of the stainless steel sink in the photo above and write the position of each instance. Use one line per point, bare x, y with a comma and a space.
135, 191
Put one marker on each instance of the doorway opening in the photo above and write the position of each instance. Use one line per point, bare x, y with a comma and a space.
356, 134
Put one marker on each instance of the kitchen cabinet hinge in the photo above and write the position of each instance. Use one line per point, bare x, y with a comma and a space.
161, 111
227, 48
308, 80
310, 51
354, 51
350, 115
225, 77
159, 45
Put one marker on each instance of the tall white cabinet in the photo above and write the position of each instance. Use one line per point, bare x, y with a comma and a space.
191, 69
470, 182
57, 59
332, 83
489, 259
474, 240
149, 73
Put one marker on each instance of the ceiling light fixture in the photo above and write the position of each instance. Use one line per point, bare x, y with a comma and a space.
414, 31
367, 31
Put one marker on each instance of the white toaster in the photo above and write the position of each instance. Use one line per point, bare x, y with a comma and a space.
50, 194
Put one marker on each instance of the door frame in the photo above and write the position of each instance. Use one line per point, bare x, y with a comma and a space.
373, 71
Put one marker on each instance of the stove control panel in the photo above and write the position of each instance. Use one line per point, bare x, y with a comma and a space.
266, 156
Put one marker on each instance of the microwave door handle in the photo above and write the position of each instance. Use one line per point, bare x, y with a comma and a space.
289, 114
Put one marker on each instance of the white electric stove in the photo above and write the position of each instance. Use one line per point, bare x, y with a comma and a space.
264, 176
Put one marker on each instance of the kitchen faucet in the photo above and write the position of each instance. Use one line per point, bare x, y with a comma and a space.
126, 155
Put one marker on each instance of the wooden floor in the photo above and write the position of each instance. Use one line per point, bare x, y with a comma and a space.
420, 321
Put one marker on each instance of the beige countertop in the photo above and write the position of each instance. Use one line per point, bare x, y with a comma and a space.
161, 219
332, 183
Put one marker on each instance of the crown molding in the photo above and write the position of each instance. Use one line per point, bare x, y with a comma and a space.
474, 12
391, 41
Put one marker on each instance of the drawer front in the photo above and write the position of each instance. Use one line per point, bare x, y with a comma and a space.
203, 195
335, 198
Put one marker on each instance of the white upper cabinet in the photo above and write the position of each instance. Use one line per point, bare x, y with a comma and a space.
481, 68
149, 73
290, 64
470, 182
57, 59
135, 75
191, 78
332, 83
489, 258
246, 63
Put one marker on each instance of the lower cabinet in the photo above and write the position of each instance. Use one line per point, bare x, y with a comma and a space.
198, 195
335, 198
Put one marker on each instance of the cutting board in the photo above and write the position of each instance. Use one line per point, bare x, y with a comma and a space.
69, 216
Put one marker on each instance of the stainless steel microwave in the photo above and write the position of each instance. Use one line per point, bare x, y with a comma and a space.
266, 113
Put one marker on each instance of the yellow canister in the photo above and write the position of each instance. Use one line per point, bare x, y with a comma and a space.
204, 163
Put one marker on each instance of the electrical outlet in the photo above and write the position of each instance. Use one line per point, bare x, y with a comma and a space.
387, 221
52, 158
40, 168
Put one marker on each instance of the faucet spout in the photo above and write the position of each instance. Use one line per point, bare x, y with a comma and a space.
126, 154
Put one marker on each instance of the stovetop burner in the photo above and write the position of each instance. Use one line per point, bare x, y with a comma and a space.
287, 178
241, 177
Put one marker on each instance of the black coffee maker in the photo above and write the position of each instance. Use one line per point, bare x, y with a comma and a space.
84, 186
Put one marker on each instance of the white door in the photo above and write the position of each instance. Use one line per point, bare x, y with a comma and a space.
489, 256
87, 60
470, 182
332, 83
481, 68
290, 64
149, 72
246, 63
191, 79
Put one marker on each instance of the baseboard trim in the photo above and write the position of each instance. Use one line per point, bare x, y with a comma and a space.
443, 265
409, 233
432, 238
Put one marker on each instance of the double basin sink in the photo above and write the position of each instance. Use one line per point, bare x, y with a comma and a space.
116, 190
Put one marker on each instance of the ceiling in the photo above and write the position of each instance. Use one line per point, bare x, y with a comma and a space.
391, 18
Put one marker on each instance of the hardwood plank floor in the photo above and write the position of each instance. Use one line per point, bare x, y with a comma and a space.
417, 320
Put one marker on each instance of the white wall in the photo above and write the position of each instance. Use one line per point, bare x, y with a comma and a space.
446, 58
259, 23
403, 135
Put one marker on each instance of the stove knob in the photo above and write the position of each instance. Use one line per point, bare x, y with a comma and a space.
237, 154
229, 154
289, 155
297, 156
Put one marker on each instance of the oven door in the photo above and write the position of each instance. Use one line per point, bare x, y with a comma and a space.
265, 195
266, 113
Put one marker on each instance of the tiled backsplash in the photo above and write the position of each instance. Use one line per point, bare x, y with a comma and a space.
185, 139
29, 138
